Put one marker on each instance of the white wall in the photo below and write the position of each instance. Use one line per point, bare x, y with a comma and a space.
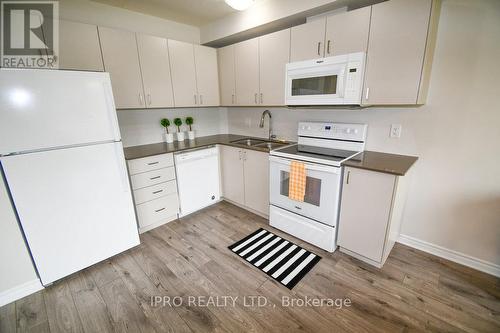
139, 127
454, 199
86, 11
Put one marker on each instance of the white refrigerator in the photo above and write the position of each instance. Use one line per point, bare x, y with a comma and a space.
62, 161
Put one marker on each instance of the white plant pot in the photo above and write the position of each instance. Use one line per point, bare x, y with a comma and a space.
180, 136
191, 135
168, 137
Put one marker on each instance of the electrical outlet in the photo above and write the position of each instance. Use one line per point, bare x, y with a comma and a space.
395, 131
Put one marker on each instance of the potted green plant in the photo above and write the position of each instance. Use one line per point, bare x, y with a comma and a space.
167, 137
178, 123
190, 122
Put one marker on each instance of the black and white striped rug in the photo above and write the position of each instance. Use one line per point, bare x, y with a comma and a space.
282, 260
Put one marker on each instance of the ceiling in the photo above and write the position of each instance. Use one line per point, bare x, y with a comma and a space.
192, 12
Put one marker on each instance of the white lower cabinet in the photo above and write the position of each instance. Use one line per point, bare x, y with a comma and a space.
245, 178
155, 190
231, 168
370, 214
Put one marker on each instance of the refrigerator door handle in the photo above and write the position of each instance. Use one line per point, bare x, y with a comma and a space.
113, 118
122, 167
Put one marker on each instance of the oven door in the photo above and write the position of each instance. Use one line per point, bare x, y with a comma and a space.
319, 82
321, 202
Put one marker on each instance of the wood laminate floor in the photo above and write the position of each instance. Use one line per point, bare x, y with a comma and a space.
188, 258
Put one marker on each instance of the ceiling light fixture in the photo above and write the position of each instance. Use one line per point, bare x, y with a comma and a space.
240, 4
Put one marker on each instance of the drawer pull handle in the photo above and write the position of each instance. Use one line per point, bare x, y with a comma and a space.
152, 178
298, 207
156, 192
159, 210
152, 163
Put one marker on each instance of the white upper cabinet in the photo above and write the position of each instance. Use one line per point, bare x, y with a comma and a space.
225, 57
207, 77
119, 52
183, 73
347, 32
79, 47
274, 54
246, 59
307, 40
153, 55
396, 52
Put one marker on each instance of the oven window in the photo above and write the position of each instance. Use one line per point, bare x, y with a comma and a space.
313, 188
319, 85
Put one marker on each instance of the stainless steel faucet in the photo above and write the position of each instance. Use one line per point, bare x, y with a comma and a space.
261, 125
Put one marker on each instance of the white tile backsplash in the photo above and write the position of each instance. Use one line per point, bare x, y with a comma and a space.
139, 127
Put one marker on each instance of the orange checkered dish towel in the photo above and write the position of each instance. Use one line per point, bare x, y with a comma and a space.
297, 182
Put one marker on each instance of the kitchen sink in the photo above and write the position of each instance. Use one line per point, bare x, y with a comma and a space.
249, 142
271, 145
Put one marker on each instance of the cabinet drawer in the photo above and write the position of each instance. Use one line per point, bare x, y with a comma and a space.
152, 178
150, 163
154, 192
156, 210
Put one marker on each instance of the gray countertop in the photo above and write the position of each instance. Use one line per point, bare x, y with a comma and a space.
369, 160
164, 148
382, 162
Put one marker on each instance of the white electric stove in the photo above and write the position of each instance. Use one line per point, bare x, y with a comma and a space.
322, 147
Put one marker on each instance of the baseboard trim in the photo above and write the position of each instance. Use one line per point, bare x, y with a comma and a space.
18, 292
455, 256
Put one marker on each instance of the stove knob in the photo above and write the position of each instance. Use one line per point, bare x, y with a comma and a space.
348, 131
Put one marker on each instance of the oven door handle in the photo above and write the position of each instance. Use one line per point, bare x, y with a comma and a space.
309, 166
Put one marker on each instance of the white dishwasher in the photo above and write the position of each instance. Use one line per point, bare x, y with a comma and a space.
197, 179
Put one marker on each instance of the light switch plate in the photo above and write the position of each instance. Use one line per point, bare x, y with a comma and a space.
395, 131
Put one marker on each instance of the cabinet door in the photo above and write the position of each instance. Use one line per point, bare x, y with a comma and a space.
231, 160
347, 32
365, 211
207, 77
183, 73
225, 57
256, 170
79, 47
155, 68
274, 54
246, 59
307, 41
398, 34
119, 52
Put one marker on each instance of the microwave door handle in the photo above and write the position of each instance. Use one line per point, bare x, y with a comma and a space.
341, 83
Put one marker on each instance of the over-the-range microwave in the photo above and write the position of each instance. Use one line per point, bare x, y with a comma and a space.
334, 80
